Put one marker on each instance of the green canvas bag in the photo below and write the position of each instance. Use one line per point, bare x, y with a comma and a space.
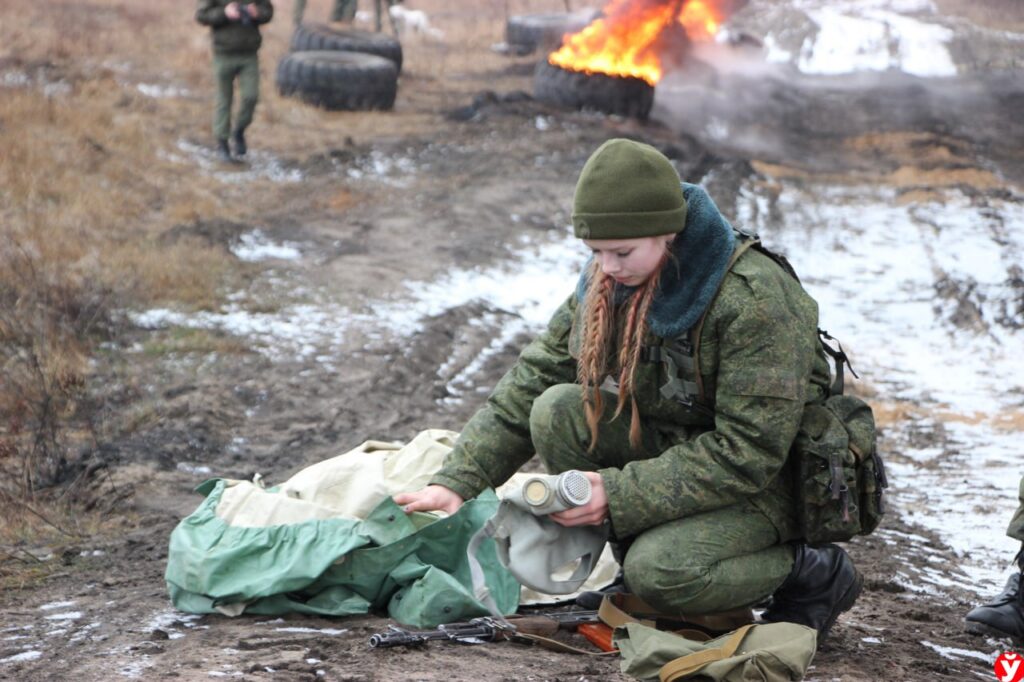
766, 652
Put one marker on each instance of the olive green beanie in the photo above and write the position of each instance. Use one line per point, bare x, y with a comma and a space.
626, 190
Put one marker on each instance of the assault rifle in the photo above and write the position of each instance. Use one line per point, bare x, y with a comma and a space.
486, 629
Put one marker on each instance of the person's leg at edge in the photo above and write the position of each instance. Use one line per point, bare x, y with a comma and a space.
223, 79
1003, 616
249, 95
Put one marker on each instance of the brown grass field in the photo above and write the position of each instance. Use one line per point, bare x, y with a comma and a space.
91, 178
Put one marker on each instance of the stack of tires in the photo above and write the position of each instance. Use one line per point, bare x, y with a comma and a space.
526, 33
341, 69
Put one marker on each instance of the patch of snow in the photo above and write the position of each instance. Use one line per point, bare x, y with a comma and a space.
380, 167
320, 631
158, 91
69, 615
56, 605
256, 246
956, 654
258, 164
870, 35
201, 470
23, 656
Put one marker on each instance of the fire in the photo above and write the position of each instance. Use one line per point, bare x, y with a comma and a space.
632, 37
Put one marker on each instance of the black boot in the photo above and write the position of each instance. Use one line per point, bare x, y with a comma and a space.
224, 152
591, 601
823, 583
239, 138
1003, 616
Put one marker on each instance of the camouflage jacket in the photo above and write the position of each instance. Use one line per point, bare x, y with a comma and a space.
233, 37
760, 361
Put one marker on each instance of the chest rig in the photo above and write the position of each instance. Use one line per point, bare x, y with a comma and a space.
681, 355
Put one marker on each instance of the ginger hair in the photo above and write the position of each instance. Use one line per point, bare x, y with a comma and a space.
599, 325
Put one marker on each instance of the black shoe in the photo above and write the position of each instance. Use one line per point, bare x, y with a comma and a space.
591, 601
1003, 616
239, 139
823, 583
224, 152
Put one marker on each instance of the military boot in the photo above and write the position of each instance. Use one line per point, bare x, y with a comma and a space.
1003, 616
822, 584
224, 152
591, 600
239, 139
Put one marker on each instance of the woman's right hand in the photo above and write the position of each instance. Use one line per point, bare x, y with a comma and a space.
431, 498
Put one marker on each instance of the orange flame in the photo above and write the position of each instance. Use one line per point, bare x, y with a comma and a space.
632, 36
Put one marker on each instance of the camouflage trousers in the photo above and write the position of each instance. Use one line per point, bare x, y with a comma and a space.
226, 68
1016, 528
707, 563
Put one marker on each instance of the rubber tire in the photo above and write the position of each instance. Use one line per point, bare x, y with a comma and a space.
528, 32
317, 37
620, 95
339, 81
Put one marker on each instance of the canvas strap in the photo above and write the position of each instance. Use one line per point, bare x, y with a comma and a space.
683, 666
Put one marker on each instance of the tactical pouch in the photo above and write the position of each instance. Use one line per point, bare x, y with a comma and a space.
839, 476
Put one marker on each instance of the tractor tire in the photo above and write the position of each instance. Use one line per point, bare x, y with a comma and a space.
317, 37
622, 95
529, 32
345, 81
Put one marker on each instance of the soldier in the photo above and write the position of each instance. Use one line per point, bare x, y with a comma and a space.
696, 494
342, 10
234, 28
1004, 615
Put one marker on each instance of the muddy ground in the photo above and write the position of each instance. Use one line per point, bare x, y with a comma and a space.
465, 193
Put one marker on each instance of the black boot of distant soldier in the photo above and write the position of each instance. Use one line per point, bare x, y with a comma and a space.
823, 583
224, 152
1004, 615
239, 139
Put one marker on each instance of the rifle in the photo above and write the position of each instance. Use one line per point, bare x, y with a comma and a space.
486, 629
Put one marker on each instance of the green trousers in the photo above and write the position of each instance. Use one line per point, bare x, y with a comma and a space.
707, 563
226, 68
1016, 527
344, 10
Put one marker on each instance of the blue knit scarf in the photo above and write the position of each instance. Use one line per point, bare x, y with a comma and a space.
689, 282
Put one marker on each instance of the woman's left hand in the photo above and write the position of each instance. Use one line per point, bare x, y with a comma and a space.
593, 513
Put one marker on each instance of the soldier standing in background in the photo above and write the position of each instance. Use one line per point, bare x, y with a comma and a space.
1004, 615
343, 11
235, 33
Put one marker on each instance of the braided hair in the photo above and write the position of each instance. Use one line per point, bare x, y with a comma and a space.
599, 327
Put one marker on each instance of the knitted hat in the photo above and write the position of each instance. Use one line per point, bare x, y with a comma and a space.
626, 190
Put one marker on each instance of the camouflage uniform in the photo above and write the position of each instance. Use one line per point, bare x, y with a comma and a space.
705, 504
1016, 528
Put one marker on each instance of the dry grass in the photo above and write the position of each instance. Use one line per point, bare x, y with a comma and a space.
94, 172
1004, 15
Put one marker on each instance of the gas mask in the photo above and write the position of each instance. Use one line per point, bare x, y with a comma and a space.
535, 549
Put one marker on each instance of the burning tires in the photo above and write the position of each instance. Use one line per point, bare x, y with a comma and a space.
349, 81
622, 95
318, 37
